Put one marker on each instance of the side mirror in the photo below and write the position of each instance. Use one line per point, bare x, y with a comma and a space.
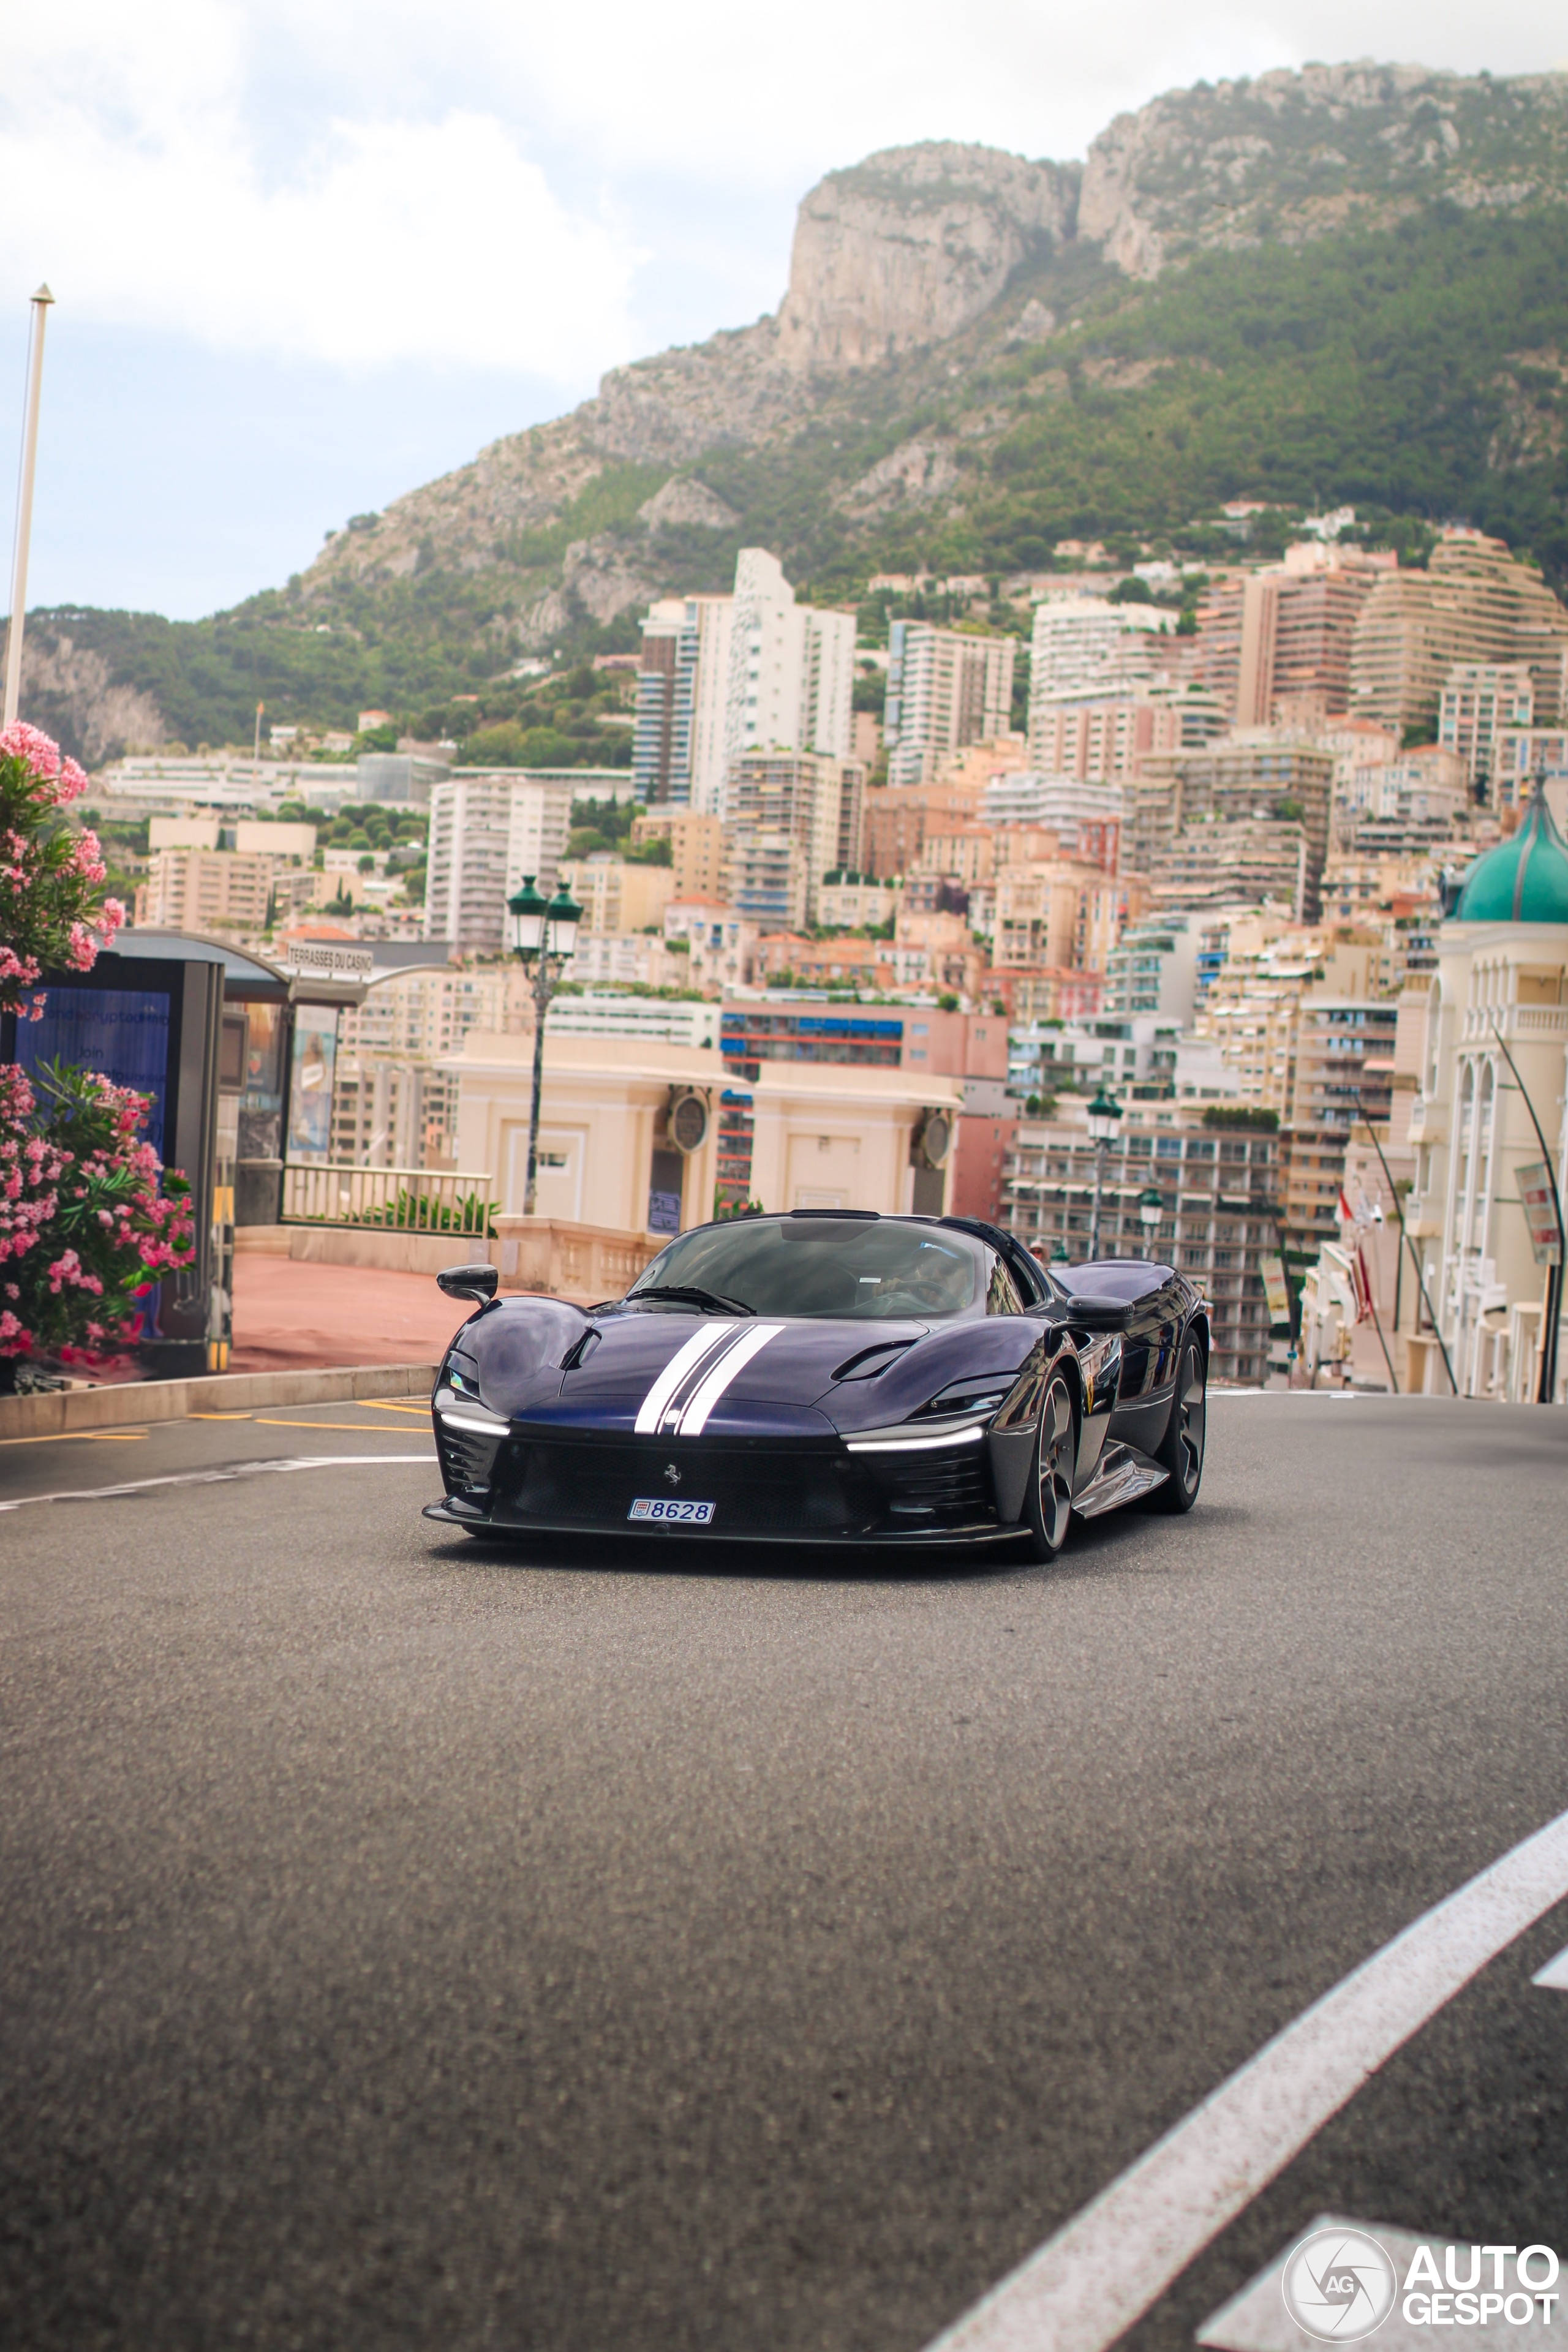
469, 1281
1092, 1314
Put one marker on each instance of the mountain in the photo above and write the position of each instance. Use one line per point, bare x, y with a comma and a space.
1346, 285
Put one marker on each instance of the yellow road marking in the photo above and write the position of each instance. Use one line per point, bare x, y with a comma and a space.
217, 1416
69, 1436
385, 1404
360, 1428
114, 1436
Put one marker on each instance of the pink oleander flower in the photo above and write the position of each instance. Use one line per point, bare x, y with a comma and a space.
41, 752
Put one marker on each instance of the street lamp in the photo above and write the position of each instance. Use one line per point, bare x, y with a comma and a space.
1149, 1206
1104, 1126
543, 933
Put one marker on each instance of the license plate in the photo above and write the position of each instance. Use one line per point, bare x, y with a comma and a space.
673, 1514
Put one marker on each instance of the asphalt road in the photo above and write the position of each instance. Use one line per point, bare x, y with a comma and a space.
404, 1943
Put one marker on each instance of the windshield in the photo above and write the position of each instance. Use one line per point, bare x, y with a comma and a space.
825, 1266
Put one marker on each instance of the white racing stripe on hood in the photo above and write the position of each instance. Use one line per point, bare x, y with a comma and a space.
650, 1413
694, 1418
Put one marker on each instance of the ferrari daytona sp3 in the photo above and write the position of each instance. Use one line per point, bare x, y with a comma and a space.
828, 1376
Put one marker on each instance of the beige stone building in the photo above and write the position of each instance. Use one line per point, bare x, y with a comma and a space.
798, 1136
1502, 980
696, 847
618, 895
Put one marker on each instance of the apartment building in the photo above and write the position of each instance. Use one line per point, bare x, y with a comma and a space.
1344, 1060
1099, 740
1153, 970
725, 676
1478, 701
813, 801
1235, 861
696, 847
1523, 754
627, 960
1403, 807
850, 901
1475, 602
946, 687
1058, 913
1263, 772
393, 1106
489, 828
721, 944
1220, 1208
1283, 634
205, 890
897, 818
1088, 646
618, 894
921, 1039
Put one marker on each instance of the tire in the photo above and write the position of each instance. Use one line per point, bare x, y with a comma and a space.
1047, 1512
1181, 1450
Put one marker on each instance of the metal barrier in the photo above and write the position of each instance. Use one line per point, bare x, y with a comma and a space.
394, 1200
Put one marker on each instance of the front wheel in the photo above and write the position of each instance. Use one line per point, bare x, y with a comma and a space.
1049, 1508
1181, 1450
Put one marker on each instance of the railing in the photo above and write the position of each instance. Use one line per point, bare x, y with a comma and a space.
1517, 1020
394, 1199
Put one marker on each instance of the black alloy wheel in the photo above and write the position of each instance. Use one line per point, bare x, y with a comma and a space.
1181, 1450
1049, 1508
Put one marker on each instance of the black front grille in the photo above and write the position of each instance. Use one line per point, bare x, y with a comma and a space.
936, 1489
465, 1458
759, 1488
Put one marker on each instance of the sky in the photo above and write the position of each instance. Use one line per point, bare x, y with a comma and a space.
307, 254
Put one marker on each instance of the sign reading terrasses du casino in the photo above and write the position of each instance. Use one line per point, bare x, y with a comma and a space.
328, 959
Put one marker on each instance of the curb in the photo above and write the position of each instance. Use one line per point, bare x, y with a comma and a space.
59, 1412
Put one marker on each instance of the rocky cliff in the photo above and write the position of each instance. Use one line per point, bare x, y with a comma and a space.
911, 246
920, 245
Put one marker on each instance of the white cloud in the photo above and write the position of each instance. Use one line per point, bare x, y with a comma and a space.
377, 241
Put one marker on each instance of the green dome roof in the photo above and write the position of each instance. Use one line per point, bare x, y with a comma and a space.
1524, 880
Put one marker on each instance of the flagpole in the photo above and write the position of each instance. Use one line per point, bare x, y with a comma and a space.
41, 302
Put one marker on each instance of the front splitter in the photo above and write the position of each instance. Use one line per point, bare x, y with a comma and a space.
893, 1539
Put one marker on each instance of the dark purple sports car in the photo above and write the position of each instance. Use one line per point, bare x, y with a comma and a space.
828, 1376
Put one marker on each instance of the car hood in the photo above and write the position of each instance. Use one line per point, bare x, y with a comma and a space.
687, 1375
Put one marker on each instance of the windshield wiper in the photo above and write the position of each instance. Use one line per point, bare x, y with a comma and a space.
694, 1291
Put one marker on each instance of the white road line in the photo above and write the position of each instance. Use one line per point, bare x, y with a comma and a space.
650, 1413
1554, 1975
1087, 2285
214, 1477
694, 1419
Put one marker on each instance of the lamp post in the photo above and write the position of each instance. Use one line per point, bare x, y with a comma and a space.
1104, 1126
42, 301
1149, 1209
543, 933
